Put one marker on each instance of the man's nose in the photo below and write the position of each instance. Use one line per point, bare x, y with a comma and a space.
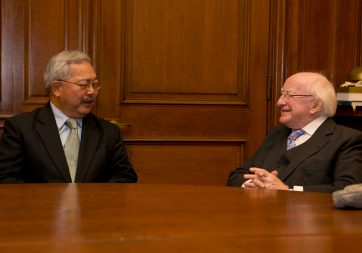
281, 101
90, 90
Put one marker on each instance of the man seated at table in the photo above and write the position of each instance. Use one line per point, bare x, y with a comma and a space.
310, 152
63, 141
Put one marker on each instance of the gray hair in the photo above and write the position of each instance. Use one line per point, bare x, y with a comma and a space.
323, 89
58, 66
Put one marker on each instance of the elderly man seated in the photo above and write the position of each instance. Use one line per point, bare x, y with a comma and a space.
310, 152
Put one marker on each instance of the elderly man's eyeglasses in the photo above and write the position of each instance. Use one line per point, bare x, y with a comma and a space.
287, 96
86, 85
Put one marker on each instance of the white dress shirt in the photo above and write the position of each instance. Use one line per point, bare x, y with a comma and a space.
310, 129
63, 129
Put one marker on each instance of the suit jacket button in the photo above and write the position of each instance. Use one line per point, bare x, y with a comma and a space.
279, 165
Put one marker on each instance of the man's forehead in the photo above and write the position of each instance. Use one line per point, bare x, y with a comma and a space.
293, 87
82, 68
296, 83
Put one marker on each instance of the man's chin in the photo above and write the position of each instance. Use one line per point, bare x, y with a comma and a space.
283, 120
286, 122
84, 111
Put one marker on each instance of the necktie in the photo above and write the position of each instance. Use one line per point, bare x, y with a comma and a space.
293, 136
71, 147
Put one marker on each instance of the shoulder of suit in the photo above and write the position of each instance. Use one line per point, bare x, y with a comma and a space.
279, 129
26, 115
348, 130
101, 121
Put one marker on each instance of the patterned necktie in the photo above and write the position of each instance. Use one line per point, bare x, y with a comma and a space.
293, 136
71, 147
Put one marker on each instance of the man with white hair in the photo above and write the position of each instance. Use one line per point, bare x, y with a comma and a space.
310, 152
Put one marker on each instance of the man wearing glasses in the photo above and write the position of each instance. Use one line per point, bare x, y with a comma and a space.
63, 141
310, 152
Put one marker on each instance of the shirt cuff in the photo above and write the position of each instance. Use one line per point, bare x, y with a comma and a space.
247, 181
297, 188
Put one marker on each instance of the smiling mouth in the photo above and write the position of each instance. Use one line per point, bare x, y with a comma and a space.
286, 110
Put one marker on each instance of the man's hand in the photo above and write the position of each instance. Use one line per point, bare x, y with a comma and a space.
263, 179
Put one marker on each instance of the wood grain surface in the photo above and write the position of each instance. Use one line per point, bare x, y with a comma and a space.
171, 218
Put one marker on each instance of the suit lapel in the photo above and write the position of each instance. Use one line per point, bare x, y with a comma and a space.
309, 148
88, 147
274, 153
48, 132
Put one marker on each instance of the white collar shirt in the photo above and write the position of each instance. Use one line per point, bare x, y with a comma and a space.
310, 130
63, 129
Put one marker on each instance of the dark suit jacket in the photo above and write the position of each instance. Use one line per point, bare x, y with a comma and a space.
330, 160
31, 151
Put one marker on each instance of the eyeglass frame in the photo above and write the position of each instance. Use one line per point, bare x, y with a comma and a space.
287, 96
83, 85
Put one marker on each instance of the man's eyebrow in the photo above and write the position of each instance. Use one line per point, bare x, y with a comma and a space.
88, 80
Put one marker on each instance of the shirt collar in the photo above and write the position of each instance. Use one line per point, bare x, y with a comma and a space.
314, 125
61, 118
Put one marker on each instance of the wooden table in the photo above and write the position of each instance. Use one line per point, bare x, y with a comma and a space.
172, 218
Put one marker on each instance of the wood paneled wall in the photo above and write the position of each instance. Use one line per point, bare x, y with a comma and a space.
186, 51
180, 78
207, 162
196, 81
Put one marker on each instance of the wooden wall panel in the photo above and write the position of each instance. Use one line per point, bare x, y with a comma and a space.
204, 163
1, 67
32, 31
186, 51
167, 66
10, 62
309, 35
41, 18
150, 122
181, 116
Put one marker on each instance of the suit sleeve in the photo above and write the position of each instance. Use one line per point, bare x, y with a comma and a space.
347, 167
236, 177
122, 170
11, 153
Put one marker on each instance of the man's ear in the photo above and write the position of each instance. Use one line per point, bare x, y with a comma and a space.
317, 106
55, 85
